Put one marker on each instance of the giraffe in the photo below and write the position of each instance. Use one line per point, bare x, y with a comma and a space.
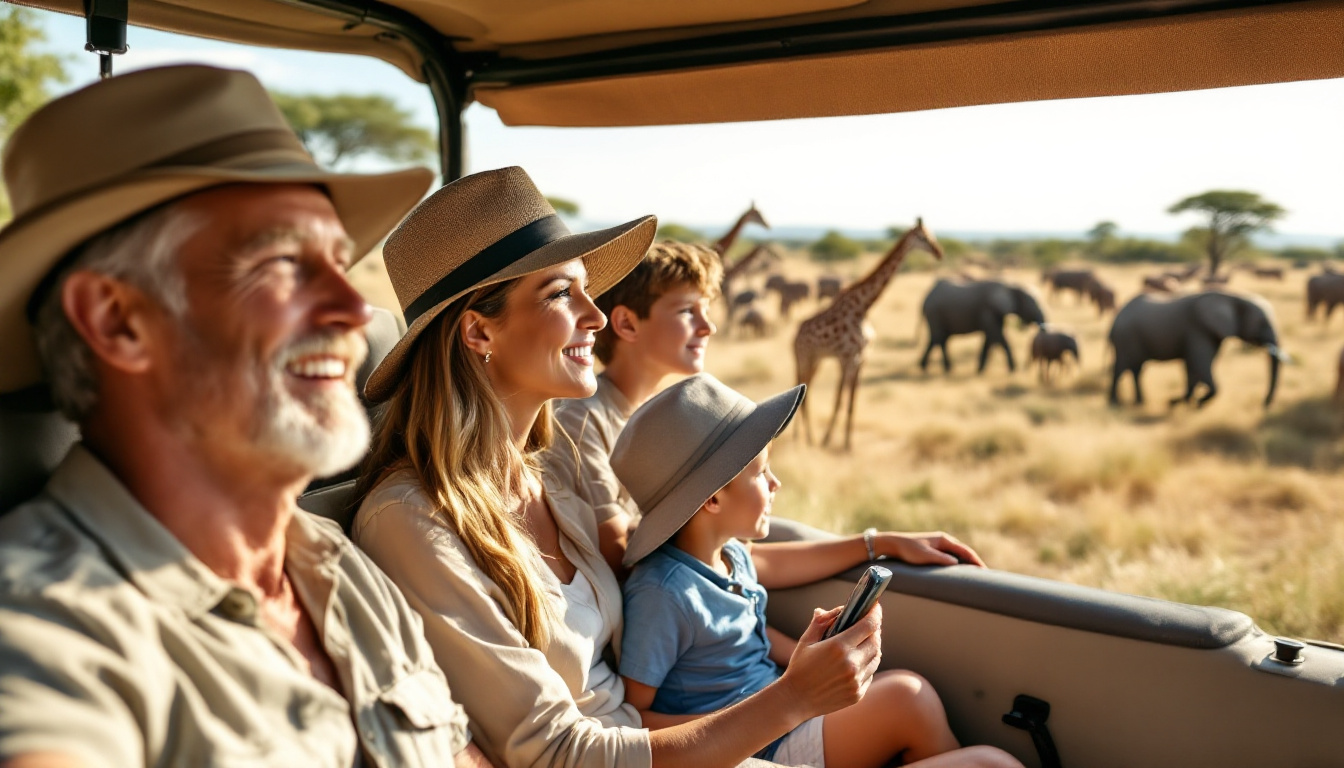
841, 330
752, 216
739, 267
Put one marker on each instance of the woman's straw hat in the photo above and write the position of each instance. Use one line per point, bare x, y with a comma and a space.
686, 443
103, 154
483, 229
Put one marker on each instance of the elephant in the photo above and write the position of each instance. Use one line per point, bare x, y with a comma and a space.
1076, 280
1183, 275
1268, 273
1102, 295
953, 308
791, 293
1190, 328
1050, 346
1326, 288
1159, 283
751, 320
741, 300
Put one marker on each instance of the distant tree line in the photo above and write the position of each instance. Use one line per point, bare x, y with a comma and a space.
1230, 218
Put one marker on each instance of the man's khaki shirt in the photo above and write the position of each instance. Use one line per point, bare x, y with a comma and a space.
119, 647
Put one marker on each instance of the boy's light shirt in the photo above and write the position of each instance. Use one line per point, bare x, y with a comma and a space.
593, 424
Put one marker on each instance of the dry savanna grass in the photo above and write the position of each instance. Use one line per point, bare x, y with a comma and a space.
1231, 505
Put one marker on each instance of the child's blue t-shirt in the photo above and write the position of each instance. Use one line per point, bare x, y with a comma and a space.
695, 635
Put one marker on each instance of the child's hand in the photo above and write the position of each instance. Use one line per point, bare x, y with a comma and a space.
936, 548
833, 674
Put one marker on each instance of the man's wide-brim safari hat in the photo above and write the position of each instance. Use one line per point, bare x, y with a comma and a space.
481, 230
122, 146
684, 444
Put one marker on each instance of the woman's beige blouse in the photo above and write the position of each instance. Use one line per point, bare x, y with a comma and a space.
526, 708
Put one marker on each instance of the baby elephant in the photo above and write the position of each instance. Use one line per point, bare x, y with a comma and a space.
1049, 347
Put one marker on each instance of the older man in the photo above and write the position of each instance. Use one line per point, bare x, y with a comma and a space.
181, 265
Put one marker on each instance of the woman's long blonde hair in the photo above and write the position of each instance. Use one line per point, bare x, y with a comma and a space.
445, 424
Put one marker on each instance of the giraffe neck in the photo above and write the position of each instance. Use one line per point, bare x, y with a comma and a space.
727, 240
862, 294
742, 263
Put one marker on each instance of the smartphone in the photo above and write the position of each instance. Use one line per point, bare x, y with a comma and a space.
861, 600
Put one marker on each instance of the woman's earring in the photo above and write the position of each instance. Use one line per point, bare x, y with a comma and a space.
488, 353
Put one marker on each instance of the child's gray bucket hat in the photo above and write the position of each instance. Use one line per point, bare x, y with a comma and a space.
686, 443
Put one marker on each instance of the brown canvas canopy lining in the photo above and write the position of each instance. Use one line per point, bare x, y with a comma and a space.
624, 62
1302, 42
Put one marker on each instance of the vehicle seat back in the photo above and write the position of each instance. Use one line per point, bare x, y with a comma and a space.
34, 437
330, 497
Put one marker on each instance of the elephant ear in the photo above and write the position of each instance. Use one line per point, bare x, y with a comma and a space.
1217, 314
1000, 299
1025, 305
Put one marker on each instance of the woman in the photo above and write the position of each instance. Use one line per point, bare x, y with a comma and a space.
517, 602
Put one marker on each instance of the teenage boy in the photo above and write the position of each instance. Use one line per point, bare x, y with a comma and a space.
657, 326
695, 458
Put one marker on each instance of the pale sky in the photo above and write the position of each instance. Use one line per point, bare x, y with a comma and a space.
1039, 166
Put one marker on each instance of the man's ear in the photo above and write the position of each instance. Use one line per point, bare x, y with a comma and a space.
112, 318
477, 332
624, 323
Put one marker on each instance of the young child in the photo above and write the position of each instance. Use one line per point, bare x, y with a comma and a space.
658, 326
695, 458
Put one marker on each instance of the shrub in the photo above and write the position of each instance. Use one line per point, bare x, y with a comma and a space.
939, 442
993, 443
1299, 253
834, 246
1223, 440
1284, 491
1068, 478
680, 233
934, 442
1132, 249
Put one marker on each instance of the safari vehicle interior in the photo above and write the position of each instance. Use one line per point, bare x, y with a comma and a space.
1056, 674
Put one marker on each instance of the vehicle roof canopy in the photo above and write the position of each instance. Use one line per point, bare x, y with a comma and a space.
620, 63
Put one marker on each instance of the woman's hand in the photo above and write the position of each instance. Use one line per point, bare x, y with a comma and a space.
936, 548
834, 673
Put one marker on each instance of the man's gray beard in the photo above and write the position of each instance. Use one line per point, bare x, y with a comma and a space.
322, 437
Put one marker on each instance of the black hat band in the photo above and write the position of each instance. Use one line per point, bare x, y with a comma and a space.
488, 262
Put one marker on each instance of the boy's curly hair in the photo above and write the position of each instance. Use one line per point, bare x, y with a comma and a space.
668, 265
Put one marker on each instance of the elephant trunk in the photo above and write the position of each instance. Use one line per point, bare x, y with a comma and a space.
1273, 376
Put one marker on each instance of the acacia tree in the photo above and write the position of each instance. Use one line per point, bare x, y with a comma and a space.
563, 206
1233, 215
25, 74
1101, 236
342, 127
